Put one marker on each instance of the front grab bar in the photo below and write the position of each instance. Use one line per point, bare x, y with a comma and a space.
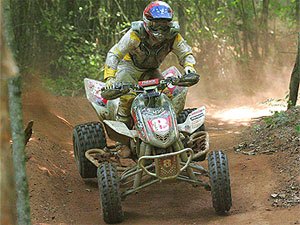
156, 157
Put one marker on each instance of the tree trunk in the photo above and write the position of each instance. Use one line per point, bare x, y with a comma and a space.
264, 27
295, 78
18, 139
250, 29
17, 155
8, 24
181, 19
7, 184
298, 14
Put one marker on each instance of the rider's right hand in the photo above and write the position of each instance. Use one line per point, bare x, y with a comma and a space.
189, 69
110, 82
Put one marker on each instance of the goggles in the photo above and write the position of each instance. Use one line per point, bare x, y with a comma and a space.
159, 25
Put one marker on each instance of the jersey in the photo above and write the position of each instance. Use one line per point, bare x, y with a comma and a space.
136, 46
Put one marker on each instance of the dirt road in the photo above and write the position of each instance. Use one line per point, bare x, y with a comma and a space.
59, 196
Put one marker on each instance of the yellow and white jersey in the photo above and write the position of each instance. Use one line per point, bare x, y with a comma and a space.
145, 54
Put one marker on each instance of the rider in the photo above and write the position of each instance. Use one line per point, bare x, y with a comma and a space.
140, 52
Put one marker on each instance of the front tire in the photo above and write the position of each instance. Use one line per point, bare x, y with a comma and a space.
87, 136
110, 197
219, 181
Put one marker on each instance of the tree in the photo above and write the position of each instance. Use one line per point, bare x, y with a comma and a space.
7, 184
264, 27
298, 14
295, 79
10, 83
181, 18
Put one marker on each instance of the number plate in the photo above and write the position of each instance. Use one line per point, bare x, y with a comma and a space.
167, 167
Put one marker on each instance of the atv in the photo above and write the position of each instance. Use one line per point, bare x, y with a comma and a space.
166, 142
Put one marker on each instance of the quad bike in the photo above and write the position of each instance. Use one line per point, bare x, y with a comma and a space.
164, 143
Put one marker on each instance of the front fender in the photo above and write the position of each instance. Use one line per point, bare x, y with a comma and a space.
193, 121
118, 131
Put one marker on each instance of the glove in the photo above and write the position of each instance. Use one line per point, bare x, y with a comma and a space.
189, 69
110, 82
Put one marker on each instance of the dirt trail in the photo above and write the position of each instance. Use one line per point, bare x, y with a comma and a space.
59, 196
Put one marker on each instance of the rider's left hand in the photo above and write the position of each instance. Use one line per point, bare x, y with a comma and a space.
110, 82
189, 69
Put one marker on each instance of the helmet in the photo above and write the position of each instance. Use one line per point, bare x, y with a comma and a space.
157, 19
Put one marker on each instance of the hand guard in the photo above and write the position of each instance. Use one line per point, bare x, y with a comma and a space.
189, 79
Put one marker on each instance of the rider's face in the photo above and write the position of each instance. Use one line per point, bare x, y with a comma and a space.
160, 25
159, 29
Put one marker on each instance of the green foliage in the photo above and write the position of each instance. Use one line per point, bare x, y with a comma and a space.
297, 128
256, 127
278, 119
62, 86
79, 52
83, 32
80, 59
70, 39
283, 118
285, 11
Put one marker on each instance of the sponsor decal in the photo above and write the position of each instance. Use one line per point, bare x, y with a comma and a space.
146, 83
197, 111
159, 125
167, 163
198, 116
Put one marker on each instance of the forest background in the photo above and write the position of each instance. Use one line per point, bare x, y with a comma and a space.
67, 40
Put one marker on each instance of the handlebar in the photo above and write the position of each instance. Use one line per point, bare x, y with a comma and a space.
120, 88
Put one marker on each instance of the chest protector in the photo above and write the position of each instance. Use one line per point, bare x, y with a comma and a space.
148, 56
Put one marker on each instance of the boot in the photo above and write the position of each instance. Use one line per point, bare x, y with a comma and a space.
125, 119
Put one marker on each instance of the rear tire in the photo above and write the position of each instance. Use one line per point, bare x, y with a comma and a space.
219, 181
110, 197
184, 114
87, 136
